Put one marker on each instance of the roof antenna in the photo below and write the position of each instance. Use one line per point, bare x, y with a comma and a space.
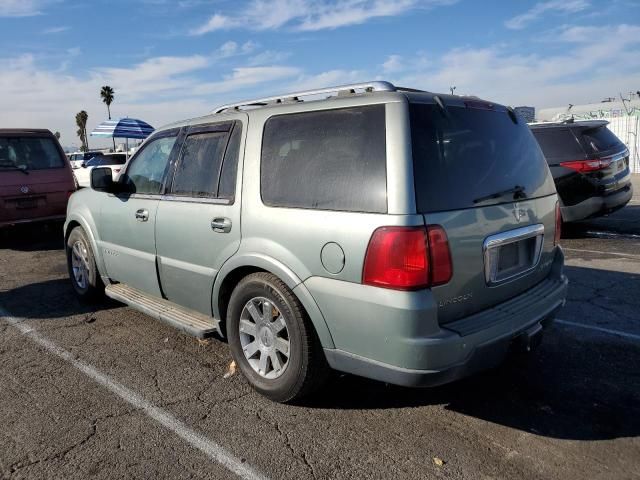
452, 88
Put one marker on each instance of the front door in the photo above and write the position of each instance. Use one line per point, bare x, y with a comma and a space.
127, 220
198, 221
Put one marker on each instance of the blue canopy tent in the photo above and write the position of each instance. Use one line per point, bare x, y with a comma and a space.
123, 128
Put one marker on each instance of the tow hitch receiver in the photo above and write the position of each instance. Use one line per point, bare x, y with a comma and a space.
529, 339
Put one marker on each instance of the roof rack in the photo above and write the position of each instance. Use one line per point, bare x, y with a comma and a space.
377, 86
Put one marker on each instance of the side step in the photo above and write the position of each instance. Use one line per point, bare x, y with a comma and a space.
189, 321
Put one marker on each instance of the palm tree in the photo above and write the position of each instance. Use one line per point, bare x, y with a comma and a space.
107, 93
81, 121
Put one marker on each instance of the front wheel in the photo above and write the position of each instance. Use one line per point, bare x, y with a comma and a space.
272, 340
82, 268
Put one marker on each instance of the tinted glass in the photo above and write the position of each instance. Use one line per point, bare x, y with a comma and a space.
97, 161
467, 154
116, 159
558, 144
601, 139
29, 153
328, 160
146, 172
227, 188
199, 166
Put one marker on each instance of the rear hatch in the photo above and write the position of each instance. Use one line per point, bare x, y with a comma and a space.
480, 174
609, 157
35, 178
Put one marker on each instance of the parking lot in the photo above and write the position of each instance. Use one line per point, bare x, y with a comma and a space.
108, 392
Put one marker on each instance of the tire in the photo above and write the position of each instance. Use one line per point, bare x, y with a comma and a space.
88, 285
305, 369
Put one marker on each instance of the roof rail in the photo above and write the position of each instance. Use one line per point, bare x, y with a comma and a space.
377, 86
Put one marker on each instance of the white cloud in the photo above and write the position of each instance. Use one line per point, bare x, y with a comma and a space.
325, 79
268, 57
243, 77
311, 15
539, 9
21, 8
216, 22
581, 73
52, 30
392, 64
159, 90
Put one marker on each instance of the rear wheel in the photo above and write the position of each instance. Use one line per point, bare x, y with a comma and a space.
272, 339
82, 268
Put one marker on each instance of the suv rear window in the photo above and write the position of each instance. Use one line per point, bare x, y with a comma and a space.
601, 139
464, 154
326, 160
29, 153
558, 144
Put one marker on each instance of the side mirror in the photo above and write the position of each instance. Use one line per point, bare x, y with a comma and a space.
102, 180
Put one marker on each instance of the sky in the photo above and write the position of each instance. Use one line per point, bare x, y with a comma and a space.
169, 60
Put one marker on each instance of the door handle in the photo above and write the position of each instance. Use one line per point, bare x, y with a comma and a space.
142, 215
221, 225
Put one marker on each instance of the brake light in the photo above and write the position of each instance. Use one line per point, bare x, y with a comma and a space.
558, 233
584, 166
407, 258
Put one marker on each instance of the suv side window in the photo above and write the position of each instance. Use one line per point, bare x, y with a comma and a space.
146, 171
198, 168
326, 160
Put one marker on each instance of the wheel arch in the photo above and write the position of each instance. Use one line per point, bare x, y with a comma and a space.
234, 270
74, 221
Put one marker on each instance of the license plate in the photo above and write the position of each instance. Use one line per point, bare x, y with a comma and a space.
512, 253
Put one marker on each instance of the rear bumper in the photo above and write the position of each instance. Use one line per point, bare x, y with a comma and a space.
459, 348
596, 206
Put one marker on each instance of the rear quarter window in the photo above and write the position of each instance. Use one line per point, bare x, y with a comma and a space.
326, 160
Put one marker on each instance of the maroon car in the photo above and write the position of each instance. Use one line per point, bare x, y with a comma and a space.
35, 177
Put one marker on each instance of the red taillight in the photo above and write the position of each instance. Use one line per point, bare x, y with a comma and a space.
584, 166
558, 233
407, 258
397, 258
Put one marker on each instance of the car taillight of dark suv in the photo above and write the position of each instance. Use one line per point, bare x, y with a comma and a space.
589, 164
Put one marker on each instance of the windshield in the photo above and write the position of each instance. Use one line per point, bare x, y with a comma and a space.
29, 153
468, 157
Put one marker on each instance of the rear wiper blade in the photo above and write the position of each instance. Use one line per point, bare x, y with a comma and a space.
518, 192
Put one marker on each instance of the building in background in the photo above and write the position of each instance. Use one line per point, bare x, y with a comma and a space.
527, 113
623, 116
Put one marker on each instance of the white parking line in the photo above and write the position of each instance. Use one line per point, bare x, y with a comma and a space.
630, 336
618, 254
210, 448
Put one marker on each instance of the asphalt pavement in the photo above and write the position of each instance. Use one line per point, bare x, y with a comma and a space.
107, 392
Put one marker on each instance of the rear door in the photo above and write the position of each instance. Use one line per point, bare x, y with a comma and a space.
480, 174
198, 221
127, 220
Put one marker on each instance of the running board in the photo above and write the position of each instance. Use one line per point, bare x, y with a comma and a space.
189, 321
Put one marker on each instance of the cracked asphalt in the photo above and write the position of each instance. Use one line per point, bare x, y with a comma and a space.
570, 410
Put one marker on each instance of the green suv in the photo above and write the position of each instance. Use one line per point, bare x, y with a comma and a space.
391, 233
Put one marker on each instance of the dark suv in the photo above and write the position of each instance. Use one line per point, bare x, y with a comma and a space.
589, 164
